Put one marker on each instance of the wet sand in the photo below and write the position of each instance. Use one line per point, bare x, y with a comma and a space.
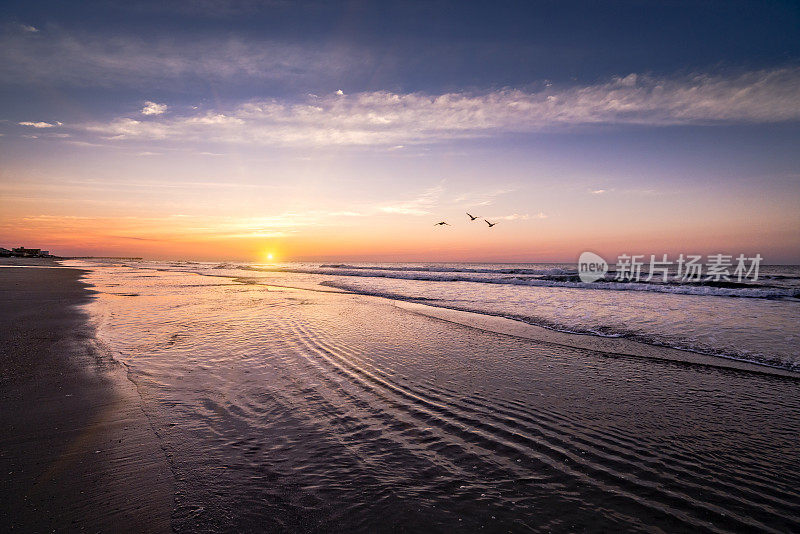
76, 451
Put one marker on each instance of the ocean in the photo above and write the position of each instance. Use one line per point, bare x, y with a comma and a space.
750, 321
324, 397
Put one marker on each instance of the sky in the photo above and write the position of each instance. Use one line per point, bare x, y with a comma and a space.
321, 131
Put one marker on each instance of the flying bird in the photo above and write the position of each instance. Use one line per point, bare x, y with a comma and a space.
441, 224
471, 217
490, 224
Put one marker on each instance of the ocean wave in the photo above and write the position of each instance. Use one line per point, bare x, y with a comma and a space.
546, 278
443, 269
228, 266
600, 331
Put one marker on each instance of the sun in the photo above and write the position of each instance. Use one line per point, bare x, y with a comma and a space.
270, 257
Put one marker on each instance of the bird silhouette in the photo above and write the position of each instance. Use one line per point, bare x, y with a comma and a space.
441, 224
490, 224
471, 217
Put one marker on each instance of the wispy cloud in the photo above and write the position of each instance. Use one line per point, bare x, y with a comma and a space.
346, 214
40, 124
89, 144
253, 235
61, 57
599, 191
479, 198
178, 226
517, 217
392, 119
419, 205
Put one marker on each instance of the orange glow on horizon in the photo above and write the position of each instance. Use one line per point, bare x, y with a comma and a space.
385, 239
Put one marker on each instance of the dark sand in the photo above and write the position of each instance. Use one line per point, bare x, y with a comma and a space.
76, 451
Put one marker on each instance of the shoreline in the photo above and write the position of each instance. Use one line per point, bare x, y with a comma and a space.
607, 345
76, 449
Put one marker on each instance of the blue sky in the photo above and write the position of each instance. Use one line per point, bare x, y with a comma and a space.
344, 129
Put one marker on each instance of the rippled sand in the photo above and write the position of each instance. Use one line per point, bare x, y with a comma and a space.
300, 410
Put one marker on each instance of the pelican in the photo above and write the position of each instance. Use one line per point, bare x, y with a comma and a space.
441, 224
471, 217
490, 224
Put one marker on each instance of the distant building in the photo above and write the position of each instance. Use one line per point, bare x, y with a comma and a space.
22, 252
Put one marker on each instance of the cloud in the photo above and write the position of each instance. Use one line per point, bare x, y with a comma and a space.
517, 217
151, 108
267, 226
391, 119
71, 58
179, 226
346, 214
40, 124
475, 199
253, 235
206, 8
88, 144
28, 29
130, 238
420, 205
599, 191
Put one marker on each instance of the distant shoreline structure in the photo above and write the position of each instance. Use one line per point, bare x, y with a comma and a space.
22, 252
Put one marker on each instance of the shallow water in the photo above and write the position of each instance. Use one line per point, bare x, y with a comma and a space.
287, 409
754, 321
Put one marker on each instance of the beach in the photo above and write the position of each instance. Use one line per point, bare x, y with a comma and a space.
76, 452
302, 407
